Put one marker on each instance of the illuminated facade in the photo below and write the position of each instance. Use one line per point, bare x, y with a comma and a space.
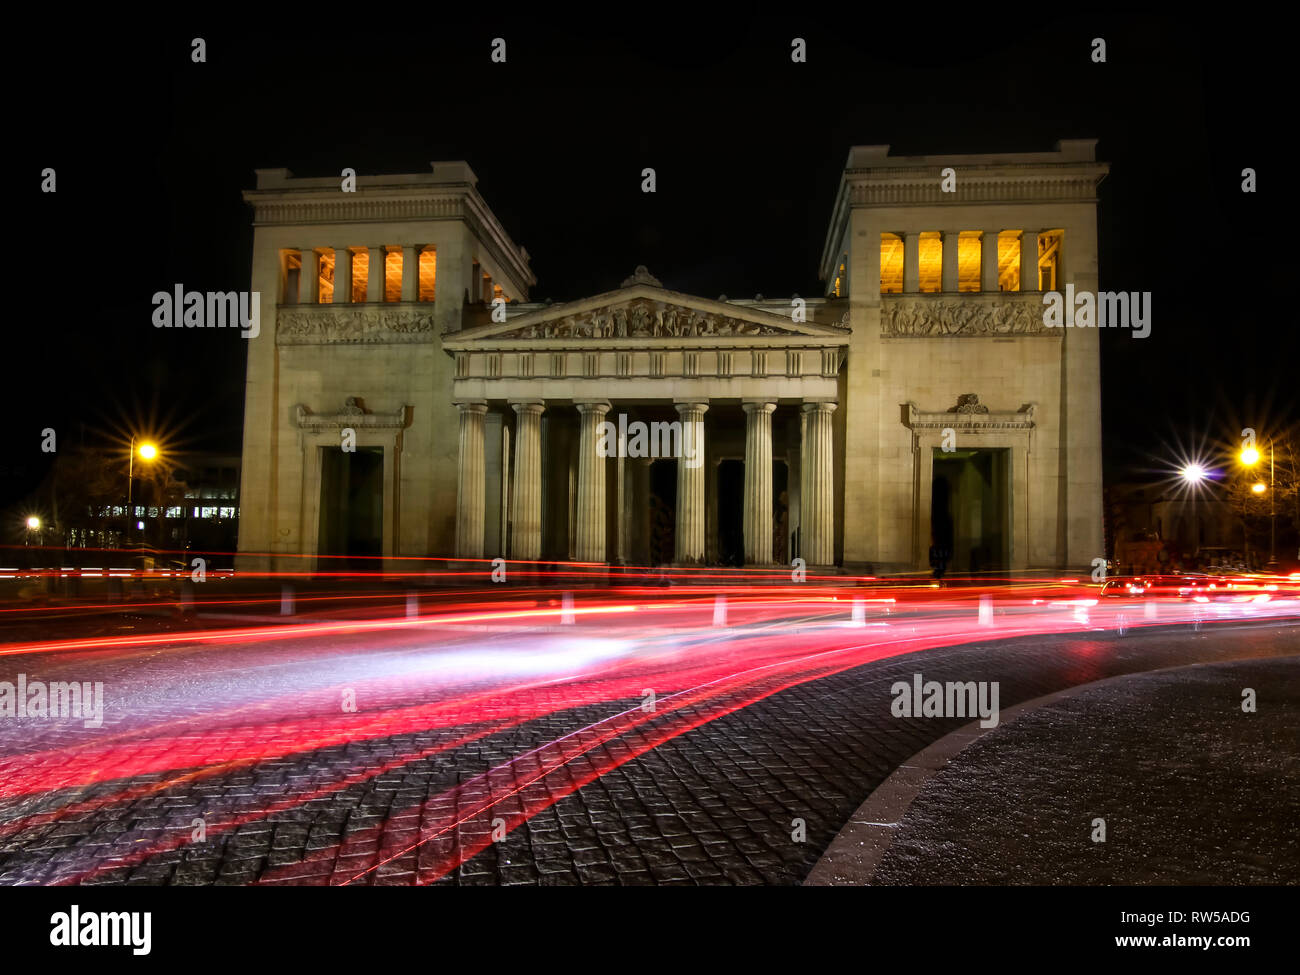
920, 402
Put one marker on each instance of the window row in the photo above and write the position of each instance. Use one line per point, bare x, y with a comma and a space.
961, 259
337, 282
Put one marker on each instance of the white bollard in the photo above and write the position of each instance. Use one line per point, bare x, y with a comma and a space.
566, 606
1151, 610
286, 600
719, 610
986, 610
859, 612
412, 605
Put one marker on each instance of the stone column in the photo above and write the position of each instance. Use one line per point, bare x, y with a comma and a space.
989, 261
589, 542
1029, 260
471, 489
911, 263
758, 483
818, 469
803, 486
308, 278
375, 276
689, 529
410, 272
951, 269
526, 532
342, 275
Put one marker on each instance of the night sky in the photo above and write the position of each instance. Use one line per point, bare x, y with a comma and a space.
152, 152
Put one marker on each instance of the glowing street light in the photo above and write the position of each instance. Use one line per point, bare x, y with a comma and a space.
1193, 473
147, 452
33, 523
1249, 457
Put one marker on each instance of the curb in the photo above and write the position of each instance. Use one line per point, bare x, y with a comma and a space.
855, 853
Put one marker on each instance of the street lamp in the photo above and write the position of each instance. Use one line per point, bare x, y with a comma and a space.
1193, 474
148, 452
33, 523
1249, 457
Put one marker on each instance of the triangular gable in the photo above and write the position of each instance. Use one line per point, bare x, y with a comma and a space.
641, 311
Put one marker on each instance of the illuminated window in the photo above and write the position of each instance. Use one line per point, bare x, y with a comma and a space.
930, 261
1009, 260
1049, 259
968, 261
292, 268
428, 273
500, 292
360, 274
891, 265
393, 275
327, 278
842, 280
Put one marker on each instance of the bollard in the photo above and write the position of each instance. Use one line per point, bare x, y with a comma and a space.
859, 612
719, 610
187, 596
412, 605
566, 606
986, 610
286, 600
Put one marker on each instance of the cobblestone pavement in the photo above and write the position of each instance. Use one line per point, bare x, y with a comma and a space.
738, 788
1018, 805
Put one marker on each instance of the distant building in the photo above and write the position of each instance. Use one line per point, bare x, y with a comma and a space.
84, 502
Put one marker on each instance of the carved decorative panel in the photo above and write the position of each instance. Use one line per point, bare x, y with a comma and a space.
352, 325
948, 316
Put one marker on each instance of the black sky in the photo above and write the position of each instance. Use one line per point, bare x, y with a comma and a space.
152, 152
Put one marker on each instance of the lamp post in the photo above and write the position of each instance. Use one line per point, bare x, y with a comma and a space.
1250, 457
147, 452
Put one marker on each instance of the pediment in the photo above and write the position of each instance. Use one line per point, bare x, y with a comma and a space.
641, 312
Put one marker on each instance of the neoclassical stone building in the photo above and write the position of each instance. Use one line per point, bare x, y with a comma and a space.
405, 398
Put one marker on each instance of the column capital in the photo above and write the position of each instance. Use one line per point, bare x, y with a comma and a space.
758, 406
688, 406
472, 406
599, 407
819, 406
528, 406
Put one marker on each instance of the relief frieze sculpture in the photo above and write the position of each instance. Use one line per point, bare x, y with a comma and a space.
962, 317
327, 325
642, 319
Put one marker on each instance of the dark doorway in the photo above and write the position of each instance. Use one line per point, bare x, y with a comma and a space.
731, 512
970, 508
663, 511
352, 508
781, 515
